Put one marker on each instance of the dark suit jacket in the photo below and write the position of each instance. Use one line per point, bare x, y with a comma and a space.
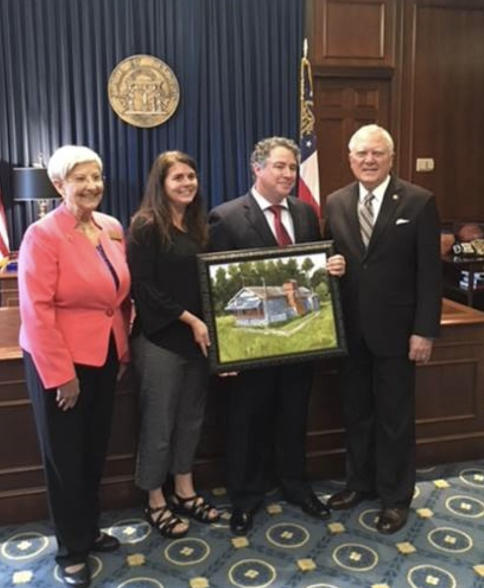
393, 289
267, 407
241, 224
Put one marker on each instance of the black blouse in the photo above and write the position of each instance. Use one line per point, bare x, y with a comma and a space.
164, 284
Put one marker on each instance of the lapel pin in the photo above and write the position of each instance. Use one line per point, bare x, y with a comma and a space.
395, 197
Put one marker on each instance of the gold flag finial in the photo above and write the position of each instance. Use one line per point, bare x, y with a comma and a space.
306, 99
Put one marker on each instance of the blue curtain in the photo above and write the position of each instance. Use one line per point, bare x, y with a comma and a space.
237, 63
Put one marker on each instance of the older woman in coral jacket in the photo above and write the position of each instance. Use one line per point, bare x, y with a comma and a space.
74, 303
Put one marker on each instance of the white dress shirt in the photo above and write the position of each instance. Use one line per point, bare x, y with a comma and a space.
286, 217
378, 194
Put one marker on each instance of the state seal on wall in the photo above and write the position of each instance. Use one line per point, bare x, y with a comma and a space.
143, 91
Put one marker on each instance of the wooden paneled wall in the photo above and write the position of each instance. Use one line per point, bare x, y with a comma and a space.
415, 67
450, 425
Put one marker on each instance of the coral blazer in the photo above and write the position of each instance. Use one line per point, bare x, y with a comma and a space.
69, 304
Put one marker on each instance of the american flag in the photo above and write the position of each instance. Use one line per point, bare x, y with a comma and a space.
308, 188
4, 245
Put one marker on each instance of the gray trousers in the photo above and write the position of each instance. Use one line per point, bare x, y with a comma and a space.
172, 397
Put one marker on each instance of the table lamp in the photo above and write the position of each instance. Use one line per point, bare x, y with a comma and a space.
33, 183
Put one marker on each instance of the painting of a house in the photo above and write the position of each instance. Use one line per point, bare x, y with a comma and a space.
266, 305
270, 305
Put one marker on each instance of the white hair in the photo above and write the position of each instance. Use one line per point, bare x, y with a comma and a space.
367, 131
65, 159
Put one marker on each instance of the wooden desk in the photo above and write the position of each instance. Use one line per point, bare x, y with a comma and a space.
8, 288
450, 419
22, 491
452, 273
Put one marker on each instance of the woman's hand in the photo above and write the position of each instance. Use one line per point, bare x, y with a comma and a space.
199, 329
68, 394
200, 334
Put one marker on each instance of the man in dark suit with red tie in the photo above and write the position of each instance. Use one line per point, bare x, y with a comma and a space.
267, 407
388, 231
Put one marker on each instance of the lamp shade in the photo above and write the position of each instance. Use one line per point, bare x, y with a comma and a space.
32, 183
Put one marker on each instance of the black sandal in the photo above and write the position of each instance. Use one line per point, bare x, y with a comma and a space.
165, 521
199, 510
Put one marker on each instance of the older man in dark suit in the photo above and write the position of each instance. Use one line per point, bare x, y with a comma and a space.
267, 407
388, 231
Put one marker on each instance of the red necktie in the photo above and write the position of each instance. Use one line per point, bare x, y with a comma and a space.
282, 236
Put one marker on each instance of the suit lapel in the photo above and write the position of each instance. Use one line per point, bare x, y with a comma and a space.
300, 230
350, 210
257, 219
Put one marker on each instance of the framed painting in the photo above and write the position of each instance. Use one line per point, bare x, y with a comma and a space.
270, 305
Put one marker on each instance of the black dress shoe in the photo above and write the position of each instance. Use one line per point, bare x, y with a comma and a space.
105, 543
311, 505
79, 579
348, 499
391, 520
241, 521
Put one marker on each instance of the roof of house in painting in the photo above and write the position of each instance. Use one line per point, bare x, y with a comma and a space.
251, 296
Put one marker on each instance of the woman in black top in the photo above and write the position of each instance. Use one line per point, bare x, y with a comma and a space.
170, 340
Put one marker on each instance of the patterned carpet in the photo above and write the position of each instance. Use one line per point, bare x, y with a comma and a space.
442, 546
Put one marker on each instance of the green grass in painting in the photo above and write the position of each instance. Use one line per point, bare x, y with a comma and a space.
311, 333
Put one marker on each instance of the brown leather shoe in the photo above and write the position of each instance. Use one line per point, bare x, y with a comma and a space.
348, 499
391, 520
